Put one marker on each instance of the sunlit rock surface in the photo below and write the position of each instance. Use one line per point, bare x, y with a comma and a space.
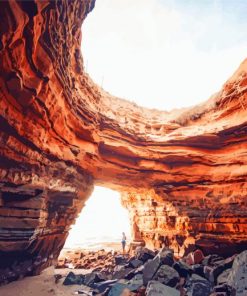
182, 174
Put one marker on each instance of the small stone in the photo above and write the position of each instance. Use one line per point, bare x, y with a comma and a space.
57, 278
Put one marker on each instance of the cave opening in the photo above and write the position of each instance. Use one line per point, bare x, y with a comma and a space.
150, 53
100, 223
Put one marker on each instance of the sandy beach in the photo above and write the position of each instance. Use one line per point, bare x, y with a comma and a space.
42, 285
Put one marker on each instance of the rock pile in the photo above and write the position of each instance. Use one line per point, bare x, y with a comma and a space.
156, 273
81, 259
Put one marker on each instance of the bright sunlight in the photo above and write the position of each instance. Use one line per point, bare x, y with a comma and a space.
102, 220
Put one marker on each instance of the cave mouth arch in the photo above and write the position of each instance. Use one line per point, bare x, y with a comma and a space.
100, 223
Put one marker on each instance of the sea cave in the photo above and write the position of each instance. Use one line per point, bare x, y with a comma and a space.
181, 174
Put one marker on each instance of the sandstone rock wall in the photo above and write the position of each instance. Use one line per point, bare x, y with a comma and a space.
182, 173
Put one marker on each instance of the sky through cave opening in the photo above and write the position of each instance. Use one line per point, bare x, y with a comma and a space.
101, 222
164, 54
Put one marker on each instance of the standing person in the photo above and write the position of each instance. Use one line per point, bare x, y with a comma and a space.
123, 242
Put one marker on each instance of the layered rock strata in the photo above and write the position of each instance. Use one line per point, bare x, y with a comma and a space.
182, 174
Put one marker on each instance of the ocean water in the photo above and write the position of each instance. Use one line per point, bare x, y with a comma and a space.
96, 243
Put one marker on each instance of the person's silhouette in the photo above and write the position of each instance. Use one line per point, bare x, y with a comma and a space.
123, 242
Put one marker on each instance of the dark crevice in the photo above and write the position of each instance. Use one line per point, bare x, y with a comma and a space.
30, 7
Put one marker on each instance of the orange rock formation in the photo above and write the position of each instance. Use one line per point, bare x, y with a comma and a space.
182, 174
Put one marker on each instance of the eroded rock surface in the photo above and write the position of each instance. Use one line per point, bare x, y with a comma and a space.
182, 174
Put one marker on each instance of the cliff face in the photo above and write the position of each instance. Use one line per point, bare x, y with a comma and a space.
182, 174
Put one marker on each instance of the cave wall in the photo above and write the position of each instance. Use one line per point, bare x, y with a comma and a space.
182, 174
41, 191
211, 219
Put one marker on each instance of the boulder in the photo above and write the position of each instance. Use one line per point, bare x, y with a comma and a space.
211, 259
119, 267
163, 257
133, 272
134, 263
123, 287
198, 286
144, 254
167, 276
101, 277
166, 256
117, 289
90, 279
120, 260
238, 275
150, 268
183, 269
226, 289
135, 283
220, 267
103, 286
198, 269
195, 257
121, 273
86, 292
200, 289
223, 277
73, 279
198, 256
189, 259
208, 271
155, 288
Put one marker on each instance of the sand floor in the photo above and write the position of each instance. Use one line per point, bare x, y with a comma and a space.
41, 285
44, 284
